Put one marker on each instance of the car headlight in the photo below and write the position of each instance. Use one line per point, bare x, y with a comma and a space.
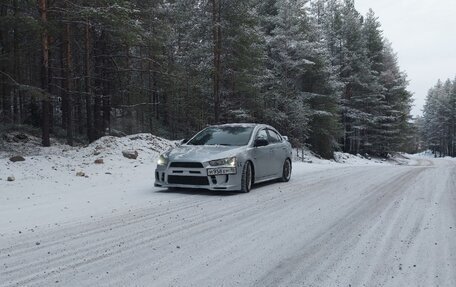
162, 160
229, 161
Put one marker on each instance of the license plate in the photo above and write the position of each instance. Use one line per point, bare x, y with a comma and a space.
221, 171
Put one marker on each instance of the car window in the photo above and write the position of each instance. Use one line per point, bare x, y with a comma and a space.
223, 135
274, 137
262, 134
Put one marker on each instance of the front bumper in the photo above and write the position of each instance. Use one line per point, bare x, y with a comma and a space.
182, 177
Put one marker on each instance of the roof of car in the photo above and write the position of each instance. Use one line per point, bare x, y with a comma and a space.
240, 124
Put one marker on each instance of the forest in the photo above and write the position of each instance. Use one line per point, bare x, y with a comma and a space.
438, 124
318, 71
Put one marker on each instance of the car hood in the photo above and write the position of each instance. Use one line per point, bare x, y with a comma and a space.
202, 153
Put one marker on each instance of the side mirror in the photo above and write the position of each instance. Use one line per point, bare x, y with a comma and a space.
285, 138
260, 142
184, 141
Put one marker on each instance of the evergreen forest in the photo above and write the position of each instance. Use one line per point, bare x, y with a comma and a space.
318, 71
438, 124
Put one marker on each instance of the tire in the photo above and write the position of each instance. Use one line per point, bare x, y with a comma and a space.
286, 171
246, 181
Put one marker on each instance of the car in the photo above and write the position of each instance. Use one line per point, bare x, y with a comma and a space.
230, 157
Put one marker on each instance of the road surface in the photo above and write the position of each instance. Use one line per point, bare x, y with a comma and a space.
350, 226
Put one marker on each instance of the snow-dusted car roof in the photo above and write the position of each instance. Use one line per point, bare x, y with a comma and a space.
241, 125
237, 124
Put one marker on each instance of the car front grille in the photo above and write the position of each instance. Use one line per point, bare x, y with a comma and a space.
186, 164
190, 180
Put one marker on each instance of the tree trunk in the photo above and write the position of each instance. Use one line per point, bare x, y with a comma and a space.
217, 46
17, 75
88, 88
151, 94
156, 100
97, 116
4, 80
130, 110
63, 91
100, 78
46, 105
79, 108
69, 84
106, 113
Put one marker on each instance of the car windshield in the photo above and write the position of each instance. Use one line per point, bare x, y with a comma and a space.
224, 135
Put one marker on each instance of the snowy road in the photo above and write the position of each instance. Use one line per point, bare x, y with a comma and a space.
347, 226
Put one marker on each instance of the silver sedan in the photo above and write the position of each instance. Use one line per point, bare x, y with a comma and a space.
226, 157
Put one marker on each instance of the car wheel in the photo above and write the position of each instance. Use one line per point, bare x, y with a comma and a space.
286, 171
246, 181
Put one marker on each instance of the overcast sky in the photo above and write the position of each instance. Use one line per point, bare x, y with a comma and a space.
423, 33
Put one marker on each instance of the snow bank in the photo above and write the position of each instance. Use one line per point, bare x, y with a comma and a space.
306, 156
357, 159
60, 159
25, 144
63, 183
147, 145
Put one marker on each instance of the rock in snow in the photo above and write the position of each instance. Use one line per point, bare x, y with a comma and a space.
17, 158
80, 173
11, 178
99, 161
131, 154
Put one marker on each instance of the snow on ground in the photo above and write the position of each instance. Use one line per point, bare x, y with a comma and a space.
358, 223
47, 190
307, 156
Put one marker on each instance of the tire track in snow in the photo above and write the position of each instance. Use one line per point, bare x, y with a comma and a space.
313, 261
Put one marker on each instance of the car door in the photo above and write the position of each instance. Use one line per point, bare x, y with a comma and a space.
261, 156
278, 152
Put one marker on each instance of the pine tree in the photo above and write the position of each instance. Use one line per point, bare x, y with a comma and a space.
322, 87
242, 60
439, 116
396, 120
287, 61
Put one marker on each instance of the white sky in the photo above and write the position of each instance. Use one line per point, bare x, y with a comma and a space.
423, 33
